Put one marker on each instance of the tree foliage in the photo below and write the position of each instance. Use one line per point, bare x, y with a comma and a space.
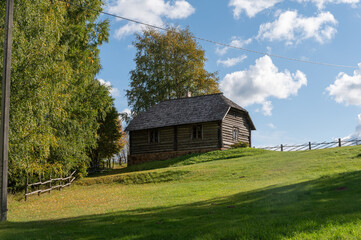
111, 138
168, 65
56, 102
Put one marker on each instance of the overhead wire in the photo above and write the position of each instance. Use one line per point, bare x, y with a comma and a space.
214, 42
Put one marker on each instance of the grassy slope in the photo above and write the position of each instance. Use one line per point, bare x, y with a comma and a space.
235, 194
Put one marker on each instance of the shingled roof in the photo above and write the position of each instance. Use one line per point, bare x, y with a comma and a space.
181, 111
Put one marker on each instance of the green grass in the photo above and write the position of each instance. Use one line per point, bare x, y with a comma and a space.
234, 194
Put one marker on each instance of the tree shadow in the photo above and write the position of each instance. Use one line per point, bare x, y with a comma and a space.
274, 212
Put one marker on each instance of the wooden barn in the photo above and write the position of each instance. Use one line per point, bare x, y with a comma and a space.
187, 125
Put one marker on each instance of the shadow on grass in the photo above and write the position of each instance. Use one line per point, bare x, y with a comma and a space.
271, 213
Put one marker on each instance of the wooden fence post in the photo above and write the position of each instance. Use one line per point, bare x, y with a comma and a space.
309, 145
60, 182
339, 142
50, 182
281, 147
26, 187
39, 186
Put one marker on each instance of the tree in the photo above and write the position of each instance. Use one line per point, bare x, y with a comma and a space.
111, 139
55, 99
168, 65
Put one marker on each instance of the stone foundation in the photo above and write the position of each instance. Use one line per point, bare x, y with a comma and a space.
148, 157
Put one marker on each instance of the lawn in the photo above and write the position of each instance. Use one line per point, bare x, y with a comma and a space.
234, 194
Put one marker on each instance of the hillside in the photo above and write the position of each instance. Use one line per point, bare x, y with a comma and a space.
234, 194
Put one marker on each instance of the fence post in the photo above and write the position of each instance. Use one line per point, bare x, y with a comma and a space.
26, 187
50, 183
39, 186
339, 142
309, 145
281, 147
60, 182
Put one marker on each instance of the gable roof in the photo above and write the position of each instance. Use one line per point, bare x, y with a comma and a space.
206, 108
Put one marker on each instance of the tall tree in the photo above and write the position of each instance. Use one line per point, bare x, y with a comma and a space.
111, 138
55, 99
168, 65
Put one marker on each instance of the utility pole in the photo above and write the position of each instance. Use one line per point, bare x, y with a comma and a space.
5, 107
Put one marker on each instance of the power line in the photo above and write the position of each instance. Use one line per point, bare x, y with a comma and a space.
214, 42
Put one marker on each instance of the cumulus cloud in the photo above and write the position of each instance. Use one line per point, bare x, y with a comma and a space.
347, 89
271, 125
251, 7
260, 82
236, 42
113, 91
230, 62
293, 28
148, 11
321, 3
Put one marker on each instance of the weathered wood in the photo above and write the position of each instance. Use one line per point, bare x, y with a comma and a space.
39, 186
5, 108
175, 133
40, 191
235, 119
220, 140
26, 187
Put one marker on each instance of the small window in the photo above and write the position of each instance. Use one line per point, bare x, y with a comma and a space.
153, 136
197, 132
235, 134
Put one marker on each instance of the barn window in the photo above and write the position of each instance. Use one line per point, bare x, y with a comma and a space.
154, 136
235, 133
197, 132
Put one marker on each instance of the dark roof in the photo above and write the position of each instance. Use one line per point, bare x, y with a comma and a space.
190, 110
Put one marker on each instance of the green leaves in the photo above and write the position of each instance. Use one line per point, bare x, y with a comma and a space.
55, 98
168, 65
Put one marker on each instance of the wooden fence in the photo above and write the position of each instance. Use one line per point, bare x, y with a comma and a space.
313, 146
61, 183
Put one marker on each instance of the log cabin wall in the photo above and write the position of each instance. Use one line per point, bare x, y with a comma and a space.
235, 119
140, 143
209, 139
178, 138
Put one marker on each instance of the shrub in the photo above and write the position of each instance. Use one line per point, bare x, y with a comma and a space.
240, 145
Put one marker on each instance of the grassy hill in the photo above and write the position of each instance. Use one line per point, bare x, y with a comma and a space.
234, 194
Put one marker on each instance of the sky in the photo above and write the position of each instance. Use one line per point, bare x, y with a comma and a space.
289, 102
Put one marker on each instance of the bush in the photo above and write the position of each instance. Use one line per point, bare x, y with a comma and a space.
240, 145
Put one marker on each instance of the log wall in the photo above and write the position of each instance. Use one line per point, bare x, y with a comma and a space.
233, 119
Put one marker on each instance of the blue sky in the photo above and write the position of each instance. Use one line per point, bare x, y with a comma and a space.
289, 102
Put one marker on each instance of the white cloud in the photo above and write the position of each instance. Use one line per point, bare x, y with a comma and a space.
230, 62
321, 3
251, 7
267, 108
347, 89
148, 11
236, 42
113, 91
260, 82
271, 125
292, 27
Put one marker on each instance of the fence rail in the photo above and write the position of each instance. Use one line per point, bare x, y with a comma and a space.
62, 182
314, 146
